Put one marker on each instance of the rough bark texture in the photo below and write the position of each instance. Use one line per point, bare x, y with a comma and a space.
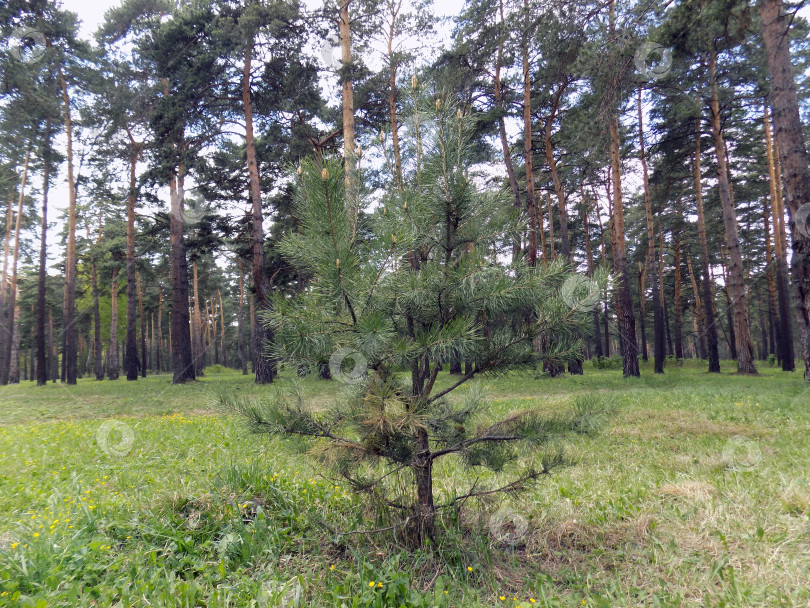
131, 350
7, 357
659, 356
708, 325
41, 367
262, 366
347, 92
183, 366
197, 349
794, 161
507, 152
112, 355
736, 280
527, 145
143, 324
626, 320
784, 331
68, 328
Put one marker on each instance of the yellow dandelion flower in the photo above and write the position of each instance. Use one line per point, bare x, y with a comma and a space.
502, 598
332, 567
36, 534
371, 584
14, 545
469, 568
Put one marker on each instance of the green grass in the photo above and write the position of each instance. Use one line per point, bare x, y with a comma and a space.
139, 494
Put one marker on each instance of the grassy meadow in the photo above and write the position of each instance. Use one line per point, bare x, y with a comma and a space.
696, 493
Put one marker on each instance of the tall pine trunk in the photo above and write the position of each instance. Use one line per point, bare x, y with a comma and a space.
793, 153
183, 364
42, 368
347, 103
709, 325
659, 355
112, 354
507, 152
143, 324
262, 366
68, 327
131, 350
736, 280
527, 142
11, 305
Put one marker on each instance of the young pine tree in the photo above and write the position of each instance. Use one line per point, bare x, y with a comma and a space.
420, 282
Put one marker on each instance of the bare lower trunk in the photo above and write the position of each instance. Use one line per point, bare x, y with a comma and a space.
131, 349
347, 102
264, 368
183, 364
736, 282
42, 369
68, 328
143, 324
11, 305
527, 146
708, 325
659, 356
793, 155
112, 354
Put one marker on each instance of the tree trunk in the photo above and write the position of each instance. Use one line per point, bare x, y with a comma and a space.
659, 356
708, 298
143, 324
527, 143
736, 281
240, 319
678, 302
4, 279
222, 329
785, 328
70, 256
642, 306
394, 8
558, 187
160, 329
98, 364
14, 360
183, 363
53, 356
11, 305
625, 318
793, 153
197, 344
774, 310
112, 355
597, 334
263, 367
42, 368
349, 153
507, 153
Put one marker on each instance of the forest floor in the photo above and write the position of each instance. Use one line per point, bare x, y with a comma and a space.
697, 492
